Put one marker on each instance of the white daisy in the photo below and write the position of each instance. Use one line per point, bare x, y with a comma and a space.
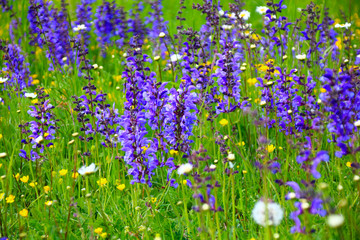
79, 28
30, 95
87, 170
3, 80
244, 15
301, 57
261, 9
357, 123
175, 57
184, 168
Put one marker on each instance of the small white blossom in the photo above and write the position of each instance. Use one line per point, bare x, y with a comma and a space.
79, 28
161, 35
356, 178
227, 27
212, 167
345, 25
87, 170
221, 13
39, 139
357, 123
335, 220
2, 155
30, 95
261, 9
274, 213
205, 207
244, 15
291, 195
95, 66
175, 57
231, 156
184, 168
2, 80
301, 57
231, 165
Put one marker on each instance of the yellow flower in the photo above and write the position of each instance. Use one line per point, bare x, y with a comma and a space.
244, 172
121, 187
173, 152
35, 82
63, 172
10, 199
61, 180
241, 143
252, 81
280, 148
323, 90
75, 175
153, 199
348, 164
24, 212
24, 179
102, 182
338, 43
1, 136
103, 235
256, 37
270, 148
270, 61
48, 203
98, 230
2, 196
224, 122
34, 101
17, 176
184, 182
144, 148
33, 184
47, 189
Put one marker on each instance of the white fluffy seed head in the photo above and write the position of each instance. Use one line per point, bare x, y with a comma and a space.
274, 213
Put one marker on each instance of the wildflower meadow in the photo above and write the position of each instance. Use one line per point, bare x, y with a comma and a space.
179, 119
